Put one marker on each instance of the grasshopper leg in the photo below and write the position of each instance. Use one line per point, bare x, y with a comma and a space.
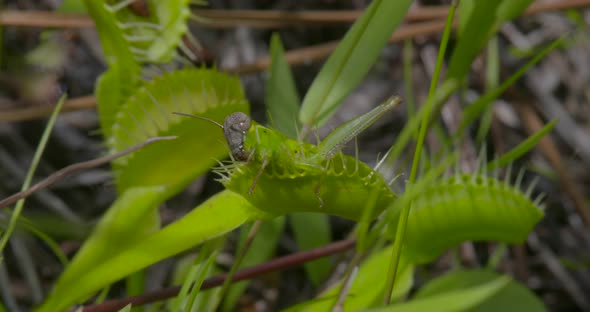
316, 191
258, 174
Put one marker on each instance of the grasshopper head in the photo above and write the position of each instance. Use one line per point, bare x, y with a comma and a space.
235, 128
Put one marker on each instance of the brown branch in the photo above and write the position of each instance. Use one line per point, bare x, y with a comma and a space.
270, 266
278, 19
71, 169
45, 19
533, 124
259, 18
320, 51
294, 57
75, 104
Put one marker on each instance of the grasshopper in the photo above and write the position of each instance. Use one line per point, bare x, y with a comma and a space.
288, 169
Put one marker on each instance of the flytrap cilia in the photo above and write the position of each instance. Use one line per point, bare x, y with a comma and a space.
280, 175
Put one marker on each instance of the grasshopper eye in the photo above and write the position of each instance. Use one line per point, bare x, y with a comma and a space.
235, 128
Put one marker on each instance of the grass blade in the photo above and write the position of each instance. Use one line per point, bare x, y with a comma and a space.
282, 101
312, 230
513, 297
349, 63
220, 214
473, 35
458, 300
197, 274
261, 249
399, 237
492, 76
521, 148
474, 110
29, 177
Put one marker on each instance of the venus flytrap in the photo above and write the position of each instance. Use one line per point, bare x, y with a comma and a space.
281, 175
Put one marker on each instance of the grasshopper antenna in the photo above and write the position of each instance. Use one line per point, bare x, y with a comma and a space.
199, 117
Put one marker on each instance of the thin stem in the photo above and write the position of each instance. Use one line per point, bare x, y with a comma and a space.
34, 163
270, 266
349, 276
408, 78
71, 169
403, 220
239, 257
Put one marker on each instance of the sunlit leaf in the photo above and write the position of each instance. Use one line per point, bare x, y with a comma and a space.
351, 61
129, 220
458, 300
217, 216
312, 230
367, 288
512, 297
282, 100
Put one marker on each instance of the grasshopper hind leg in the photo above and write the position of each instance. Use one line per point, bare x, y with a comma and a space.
257, 176
316, 191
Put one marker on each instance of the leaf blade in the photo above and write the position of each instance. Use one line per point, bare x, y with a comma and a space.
218, 215
282, 100
349, 63
513, 297
312, 230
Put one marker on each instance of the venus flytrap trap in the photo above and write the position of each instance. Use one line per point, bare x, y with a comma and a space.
270, 168
148, 112
155, 36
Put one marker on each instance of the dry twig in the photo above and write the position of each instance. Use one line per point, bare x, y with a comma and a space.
71, 169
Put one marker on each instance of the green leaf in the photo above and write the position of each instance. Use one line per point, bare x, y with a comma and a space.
312, 230
512, 9
115, 85
522, 148
465, 10
512, 297
458, 300
129, 220
474, 35
353, 58
479, 20
368, 286
30, 173
116, 48
191, 287
71, 6
492, 80
261, 249
220, 214
148, 113
126, 308
154, 38
173, 17
473, 111
282, 101
112, 88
